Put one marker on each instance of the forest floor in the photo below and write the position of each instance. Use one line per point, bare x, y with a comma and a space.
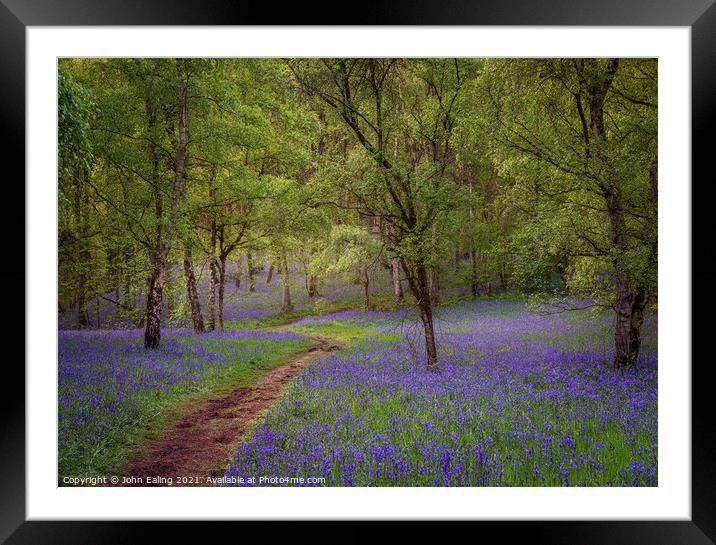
522, 399
198, 445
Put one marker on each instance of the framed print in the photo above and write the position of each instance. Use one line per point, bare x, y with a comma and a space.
404, 270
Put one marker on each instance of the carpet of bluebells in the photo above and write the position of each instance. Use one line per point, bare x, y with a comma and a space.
109, 387
521, 399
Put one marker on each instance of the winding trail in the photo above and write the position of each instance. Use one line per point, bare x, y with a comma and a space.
201, 443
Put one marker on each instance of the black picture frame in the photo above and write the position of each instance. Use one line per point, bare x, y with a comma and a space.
16, 15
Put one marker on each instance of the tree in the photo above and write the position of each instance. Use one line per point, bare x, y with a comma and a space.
579, 137
353, 252
75, 112
163, 238
140, 137
402, 114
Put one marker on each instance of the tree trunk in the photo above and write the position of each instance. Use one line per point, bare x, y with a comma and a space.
397, 286
627, 338
629, 304
222, 279
654, 181
418, 283
213, 276
637, 320
82, 211
170, 294
211, 299
152, 332
474, 283
129, 304
654, 195
191, 292
269, 275
250, 270
629, 309
630, 301
366, 290
286, 305
433, 286
153, 315
237, 278
124, 287
82, 315
434, 280
426, 316
312, 285
503, 279
311, 280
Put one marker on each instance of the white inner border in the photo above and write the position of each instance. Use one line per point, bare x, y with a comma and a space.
670, 500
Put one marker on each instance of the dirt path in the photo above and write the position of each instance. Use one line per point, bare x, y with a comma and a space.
201, 443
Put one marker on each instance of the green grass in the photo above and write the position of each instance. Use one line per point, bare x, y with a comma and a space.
381, 302
345, 332
269, 321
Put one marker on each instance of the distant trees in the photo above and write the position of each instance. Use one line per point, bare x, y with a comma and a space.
353, 252
253, 133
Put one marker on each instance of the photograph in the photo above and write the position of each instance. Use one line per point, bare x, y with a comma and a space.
357, 271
